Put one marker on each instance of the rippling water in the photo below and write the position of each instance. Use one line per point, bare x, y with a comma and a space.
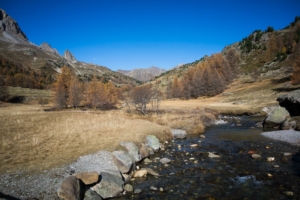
193, 175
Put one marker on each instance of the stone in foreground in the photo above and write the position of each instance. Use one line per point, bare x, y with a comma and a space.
291, 102
152, 142
91, 195
132, 149
123, 161
87, 177
276, 117
70, 189
111, 184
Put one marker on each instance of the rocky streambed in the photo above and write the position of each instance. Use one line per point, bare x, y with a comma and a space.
232, 160
222, 165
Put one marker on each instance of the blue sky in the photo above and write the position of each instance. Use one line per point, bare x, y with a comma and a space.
127, 34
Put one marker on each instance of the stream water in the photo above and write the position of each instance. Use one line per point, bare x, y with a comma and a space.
235, 175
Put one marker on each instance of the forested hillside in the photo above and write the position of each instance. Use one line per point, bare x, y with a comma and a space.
262, 54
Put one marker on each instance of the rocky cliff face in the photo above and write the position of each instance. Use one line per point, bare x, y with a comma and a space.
69, 56
10, 30
46, 47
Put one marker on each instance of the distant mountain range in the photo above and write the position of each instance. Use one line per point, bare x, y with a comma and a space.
143, 75
16, 48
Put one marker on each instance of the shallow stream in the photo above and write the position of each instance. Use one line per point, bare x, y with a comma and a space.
235, 175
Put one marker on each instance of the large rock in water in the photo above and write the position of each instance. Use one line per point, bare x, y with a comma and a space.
111, 184
276, 117
152, 142
132, 149
178, 133
291, 102
123, 161
71, 188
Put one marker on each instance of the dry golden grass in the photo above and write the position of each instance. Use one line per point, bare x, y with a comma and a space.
32, 139
240, 98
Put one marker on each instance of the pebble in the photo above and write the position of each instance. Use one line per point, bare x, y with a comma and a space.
194, 145
287, 154
137, 167
161, 189
269, 175
270, 159
289, 193
202, 136
165, 160
212, 155
153, 188
256, 156
192, 158
137, 191
172, 173
147, 161
276, 166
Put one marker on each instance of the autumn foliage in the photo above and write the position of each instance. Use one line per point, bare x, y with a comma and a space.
69, 91
207, 78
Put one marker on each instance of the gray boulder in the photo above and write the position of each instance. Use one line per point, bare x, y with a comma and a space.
291, 102
111, 184
71, 188
132, 149
123, 161
288, 124
152, 142
276, 117
91, 195
178, 133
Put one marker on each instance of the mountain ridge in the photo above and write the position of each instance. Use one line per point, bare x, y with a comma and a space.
17, 49
143, 74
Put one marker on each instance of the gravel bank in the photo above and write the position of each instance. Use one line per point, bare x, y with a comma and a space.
290, 136
44, 185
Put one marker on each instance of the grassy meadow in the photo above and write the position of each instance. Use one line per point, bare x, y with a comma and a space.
33, 139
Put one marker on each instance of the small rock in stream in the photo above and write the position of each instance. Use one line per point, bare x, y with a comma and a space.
276, 166
212, 155
153, 188
128, 188
194, 145
202, 136
137, 191
288, 193
270, 159
287, 154
165, 160
256, 156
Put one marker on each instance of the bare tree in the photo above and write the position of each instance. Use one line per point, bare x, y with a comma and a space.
140, 97
156, 97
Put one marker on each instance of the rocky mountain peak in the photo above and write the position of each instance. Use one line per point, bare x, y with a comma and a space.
10, 29
69, 56
46, 47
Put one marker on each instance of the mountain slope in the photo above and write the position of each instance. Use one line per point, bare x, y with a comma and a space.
17, 49
265, 54
143, 75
